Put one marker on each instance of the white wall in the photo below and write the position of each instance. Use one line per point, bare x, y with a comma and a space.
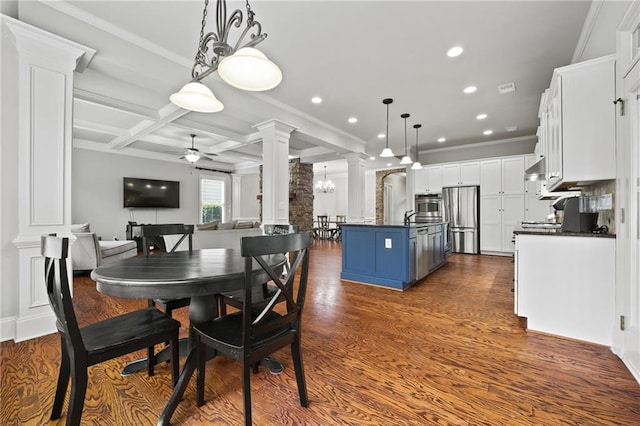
331, 203
598, 37
249, 205
398, 184
9, 278
97, 191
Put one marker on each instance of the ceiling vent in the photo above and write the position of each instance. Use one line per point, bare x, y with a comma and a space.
511, 128
506, 88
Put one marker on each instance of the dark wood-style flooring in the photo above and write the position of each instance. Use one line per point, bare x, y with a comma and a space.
449, 351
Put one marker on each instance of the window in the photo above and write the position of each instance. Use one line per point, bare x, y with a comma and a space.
212, 205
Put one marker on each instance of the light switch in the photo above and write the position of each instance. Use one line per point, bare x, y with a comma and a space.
387, 243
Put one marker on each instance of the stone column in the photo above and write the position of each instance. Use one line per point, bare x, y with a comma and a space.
44, 99
355, 187
275, 171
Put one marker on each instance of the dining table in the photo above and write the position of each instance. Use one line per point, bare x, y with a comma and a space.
199, 274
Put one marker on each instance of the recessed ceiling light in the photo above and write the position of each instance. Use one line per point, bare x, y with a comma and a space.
455, 51
372, 158
353, 120
316, 100
470, 89
442, 140
380, 135
388, 164
487, 132
481, 116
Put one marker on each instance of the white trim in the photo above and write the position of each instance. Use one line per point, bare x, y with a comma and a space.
481, 144
587, 29
34, 326
8, 328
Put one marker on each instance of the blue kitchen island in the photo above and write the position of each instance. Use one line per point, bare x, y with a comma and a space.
391, 255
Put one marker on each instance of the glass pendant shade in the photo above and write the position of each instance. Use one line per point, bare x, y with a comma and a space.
192, 156
416, 166
195, 96
406, 160
386, 153
249, 69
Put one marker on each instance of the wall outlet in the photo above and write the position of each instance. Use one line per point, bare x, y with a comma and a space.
387, 243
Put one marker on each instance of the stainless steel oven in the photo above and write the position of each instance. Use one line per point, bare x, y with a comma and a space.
428, 207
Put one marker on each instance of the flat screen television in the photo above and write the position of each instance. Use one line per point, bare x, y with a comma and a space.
151, 193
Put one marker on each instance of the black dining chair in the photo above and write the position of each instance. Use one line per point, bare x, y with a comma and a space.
100, 341
252, 334
149, 234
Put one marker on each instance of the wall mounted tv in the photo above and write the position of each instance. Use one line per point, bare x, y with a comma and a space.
151, 193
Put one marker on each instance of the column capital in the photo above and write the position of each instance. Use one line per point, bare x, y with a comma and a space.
47, 46
277, 125
356, 157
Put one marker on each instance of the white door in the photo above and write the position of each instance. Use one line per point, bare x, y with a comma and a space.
491, 177
434, 178
470, 173
450, 175
513, 175
388, 202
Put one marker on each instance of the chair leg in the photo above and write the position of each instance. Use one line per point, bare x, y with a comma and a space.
202, 354
63, 383
246, 392
151, 360
175, 359
79, 380
299, 369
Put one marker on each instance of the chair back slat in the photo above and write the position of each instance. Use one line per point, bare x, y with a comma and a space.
149, 231
255, 249
55, 251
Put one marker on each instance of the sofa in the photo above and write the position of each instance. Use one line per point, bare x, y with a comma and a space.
88, 251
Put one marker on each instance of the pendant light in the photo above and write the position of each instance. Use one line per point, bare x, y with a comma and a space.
406, 159
416, 165
386, 152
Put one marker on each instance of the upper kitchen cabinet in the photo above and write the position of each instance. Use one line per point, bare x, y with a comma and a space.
428, 180
578, 121
502, 176
461, 174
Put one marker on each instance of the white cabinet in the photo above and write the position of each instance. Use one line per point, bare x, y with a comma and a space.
499, 216
578, 117
535, 208
572, 295
502, 176
461, 174
420, 181
502, 202
434, 179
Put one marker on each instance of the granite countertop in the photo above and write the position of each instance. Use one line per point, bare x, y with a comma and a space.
558, 232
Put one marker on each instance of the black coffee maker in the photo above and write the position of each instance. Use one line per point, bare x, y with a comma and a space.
576, 221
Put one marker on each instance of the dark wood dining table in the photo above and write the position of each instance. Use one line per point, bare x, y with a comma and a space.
200, 275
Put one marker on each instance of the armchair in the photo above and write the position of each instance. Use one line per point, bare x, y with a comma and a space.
88, 252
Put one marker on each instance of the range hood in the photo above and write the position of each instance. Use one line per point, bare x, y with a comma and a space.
536, 172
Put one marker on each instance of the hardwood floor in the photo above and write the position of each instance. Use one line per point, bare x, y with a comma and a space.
449, 351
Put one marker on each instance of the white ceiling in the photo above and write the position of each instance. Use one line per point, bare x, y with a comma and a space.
351, 53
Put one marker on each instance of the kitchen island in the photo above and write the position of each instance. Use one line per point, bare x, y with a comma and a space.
564, 283
392, 255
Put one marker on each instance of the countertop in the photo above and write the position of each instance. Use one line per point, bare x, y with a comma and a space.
396, 224
558, 232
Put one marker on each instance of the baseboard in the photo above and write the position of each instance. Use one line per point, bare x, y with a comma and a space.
35, 326
7, 328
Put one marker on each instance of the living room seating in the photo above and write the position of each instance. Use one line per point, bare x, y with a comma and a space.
97, 342
250, 335
88, 251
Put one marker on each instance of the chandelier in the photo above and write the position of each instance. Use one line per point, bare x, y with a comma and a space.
325, 186
241, 65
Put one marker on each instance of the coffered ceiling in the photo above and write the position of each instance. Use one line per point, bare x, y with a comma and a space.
350, 53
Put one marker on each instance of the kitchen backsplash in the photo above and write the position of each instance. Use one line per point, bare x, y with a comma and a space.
602, 198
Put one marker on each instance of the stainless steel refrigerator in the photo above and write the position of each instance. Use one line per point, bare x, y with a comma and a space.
461, 206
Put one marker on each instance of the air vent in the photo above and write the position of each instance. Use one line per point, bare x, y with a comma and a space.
511, 128
506, 88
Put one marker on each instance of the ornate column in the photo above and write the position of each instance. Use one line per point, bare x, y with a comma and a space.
44, 98
355, 182
275, 171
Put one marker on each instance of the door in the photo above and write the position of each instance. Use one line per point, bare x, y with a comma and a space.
513, 175
491, 223
450, 175
491, 177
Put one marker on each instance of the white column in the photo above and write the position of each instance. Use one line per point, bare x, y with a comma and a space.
275, 171
45, 66
356, 189
236, 195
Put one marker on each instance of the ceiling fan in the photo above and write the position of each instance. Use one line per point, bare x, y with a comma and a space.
193, 154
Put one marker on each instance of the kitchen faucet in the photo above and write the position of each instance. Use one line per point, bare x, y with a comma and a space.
408, 216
